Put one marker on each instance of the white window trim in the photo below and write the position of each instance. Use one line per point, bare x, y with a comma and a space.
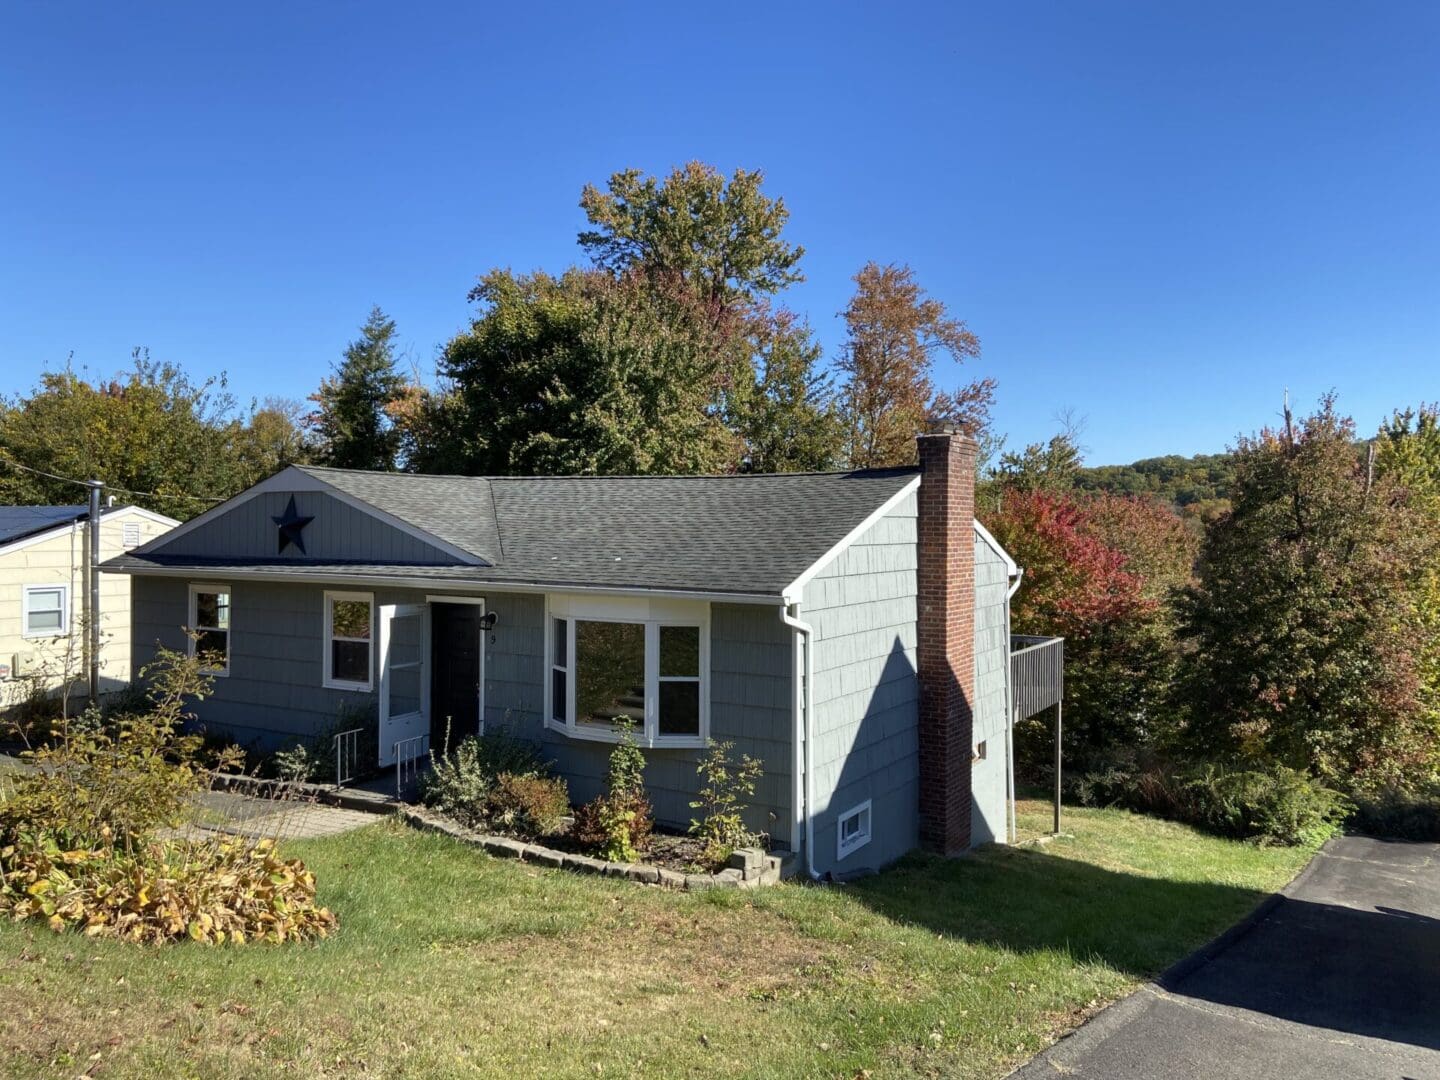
64, 628
196, 588
844, 847
651, 613
328, 657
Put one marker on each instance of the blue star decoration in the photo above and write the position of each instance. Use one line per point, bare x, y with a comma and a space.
291, 522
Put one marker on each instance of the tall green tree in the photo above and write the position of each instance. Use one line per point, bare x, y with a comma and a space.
352, 422
783, 406
723, 239
150, 429
588, 373
894, 333
1052, 466
1306, 644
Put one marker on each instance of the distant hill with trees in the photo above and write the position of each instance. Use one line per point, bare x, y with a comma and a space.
1183, 482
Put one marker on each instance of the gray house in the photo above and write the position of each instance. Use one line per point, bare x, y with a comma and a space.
849, 629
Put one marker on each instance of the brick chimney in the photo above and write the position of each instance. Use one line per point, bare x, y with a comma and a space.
945, 653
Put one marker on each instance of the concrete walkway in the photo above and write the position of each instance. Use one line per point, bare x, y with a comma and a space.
244, 815
1341, 979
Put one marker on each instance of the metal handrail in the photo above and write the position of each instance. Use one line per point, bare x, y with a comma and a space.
347, 755
408, 755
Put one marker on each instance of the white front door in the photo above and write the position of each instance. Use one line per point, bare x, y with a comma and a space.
404, 686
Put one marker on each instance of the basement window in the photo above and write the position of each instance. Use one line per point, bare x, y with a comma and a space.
619, 658
852, 831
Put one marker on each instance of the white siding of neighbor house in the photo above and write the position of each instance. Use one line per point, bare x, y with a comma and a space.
866, 695
61, 559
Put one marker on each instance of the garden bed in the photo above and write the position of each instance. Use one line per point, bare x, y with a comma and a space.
665, 865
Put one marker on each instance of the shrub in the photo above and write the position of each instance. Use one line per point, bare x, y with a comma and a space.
727, 784
459, 782
312, 760
528, 805
216, 892
1399, 814
78, 835
1270, 805
114, 785
617, 825
495, 781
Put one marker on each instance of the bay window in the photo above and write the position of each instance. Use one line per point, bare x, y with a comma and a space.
628, 659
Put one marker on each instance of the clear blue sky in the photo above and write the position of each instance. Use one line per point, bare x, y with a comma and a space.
1157, 214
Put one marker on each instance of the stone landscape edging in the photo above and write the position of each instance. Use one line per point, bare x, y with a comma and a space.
753, 870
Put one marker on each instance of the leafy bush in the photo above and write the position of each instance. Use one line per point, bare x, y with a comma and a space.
114, 784
528, 805
495, 781
612, 829
727, 785
1271, 805
231, 890
312, 760
617, 825
1277, 805
78, 834
1399, 814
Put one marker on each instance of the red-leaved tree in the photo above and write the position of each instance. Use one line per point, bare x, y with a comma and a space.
1099, 572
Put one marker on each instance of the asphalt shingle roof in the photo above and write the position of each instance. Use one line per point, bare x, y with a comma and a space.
18, 522
736, 534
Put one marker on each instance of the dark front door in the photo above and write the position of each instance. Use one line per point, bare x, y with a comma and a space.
455, 662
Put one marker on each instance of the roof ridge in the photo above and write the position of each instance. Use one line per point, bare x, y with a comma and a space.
886, 470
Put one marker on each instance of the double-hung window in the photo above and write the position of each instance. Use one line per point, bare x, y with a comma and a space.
210, 626
349, 623
46, 611
621, 660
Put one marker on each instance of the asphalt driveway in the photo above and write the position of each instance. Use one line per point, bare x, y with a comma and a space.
1340, 979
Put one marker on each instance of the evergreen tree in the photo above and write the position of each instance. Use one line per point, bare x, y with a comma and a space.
352, 423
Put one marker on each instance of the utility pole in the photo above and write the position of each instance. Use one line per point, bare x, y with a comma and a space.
93, 630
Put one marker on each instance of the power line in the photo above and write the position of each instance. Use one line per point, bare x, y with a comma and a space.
110, 487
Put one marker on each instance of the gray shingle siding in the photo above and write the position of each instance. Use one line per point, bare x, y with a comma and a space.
866, 695
273, 694
339, 532
750, 703
992, 663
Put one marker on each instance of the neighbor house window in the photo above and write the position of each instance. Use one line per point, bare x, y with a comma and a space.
46, 611
641, 661
210, 626
852, 830
349, 621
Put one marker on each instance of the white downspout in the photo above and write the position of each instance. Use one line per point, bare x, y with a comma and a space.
804, 729
1010, 709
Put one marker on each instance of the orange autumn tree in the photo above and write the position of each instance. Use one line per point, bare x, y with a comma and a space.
894, 333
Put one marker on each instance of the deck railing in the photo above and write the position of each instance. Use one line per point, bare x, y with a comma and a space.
1037, 673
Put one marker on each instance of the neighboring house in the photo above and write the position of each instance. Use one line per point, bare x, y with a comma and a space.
45, 598
867, 609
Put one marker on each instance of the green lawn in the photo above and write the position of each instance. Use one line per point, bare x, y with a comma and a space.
451, 963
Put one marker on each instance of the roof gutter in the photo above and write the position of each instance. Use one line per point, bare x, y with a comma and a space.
403, 581
803, 819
